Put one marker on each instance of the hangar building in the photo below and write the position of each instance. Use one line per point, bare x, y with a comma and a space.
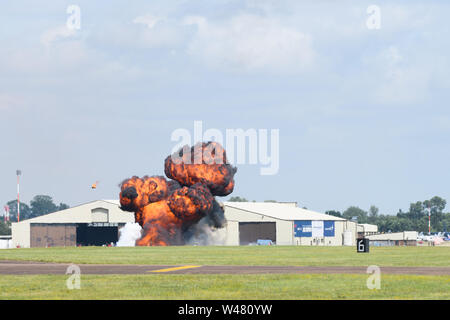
93, 223
285, 224
98, 223
405, 238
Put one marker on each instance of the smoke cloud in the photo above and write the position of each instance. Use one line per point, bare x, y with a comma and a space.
129, 234
181, 210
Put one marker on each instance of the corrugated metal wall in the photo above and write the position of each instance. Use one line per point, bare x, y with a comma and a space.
53, 235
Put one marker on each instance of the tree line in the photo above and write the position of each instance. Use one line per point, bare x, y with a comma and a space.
39, 205
415, 219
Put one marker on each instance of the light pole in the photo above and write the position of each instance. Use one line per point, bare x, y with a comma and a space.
429, 220
18, 172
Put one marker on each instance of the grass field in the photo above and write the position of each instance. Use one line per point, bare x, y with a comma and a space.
239, 255
284, 287
267, 286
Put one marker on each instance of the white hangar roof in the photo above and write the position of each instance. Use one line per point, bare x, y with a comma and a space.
281, 211
405, 235
95, 211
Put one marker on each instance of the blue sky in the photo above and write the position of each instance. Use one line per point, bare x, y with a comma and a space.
363, 114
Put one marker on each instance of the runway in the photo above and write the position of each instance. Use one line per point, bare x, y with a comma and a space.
34, 268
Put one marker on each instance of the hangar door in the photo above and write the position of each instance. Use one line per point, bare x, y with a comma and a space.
52, 235
97, 234
250, 232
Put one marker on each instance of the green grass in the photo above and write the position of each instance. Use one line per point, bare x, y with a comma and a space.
267, 286
244, 255
286, 286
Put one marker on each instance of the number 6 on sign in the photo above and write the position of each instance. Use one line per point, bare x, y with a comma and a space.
362, 245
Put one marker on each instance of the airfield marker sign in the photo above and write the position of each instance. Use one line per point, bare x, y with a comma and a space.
362, 245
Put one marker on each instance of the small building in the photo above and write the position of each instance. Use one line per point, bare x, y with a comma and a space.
6, 242
365, 229
93, 223
405, 238
285, 224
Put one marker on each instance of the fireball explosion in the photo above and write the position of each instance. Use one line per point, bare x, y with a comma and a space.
172, 212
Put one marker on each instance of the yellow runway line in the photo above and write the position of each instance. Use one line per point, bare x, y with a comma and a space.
174, 269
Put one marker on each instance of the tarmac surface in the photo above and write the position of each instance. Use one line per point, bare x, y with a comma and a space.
33, 268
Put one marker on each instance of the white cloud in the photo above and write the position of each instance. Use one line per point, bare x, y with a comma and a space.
152, 32
55, 34
149, 20
392, 56
59, 58
251, 43
54, 62
401, 17
400, 80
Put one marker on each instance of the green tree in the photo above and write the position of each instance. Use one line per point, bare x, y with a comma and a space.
415, 219
25, 211
401, 214
387, 223
237, 199
5, 228
373, 214
359, 213
418, 214
334, 213
42, 204
63, 206
436, 205
416, 211
446, 222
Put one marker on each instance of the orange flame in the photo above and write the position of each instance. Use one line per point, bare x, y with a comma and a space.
167, 208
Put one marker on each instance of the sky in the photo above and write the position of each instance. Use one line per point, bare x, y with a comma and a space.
362, 113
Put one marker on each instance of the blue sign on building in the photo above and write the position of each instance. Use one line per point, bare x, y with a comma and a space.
328, 228
303, 228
